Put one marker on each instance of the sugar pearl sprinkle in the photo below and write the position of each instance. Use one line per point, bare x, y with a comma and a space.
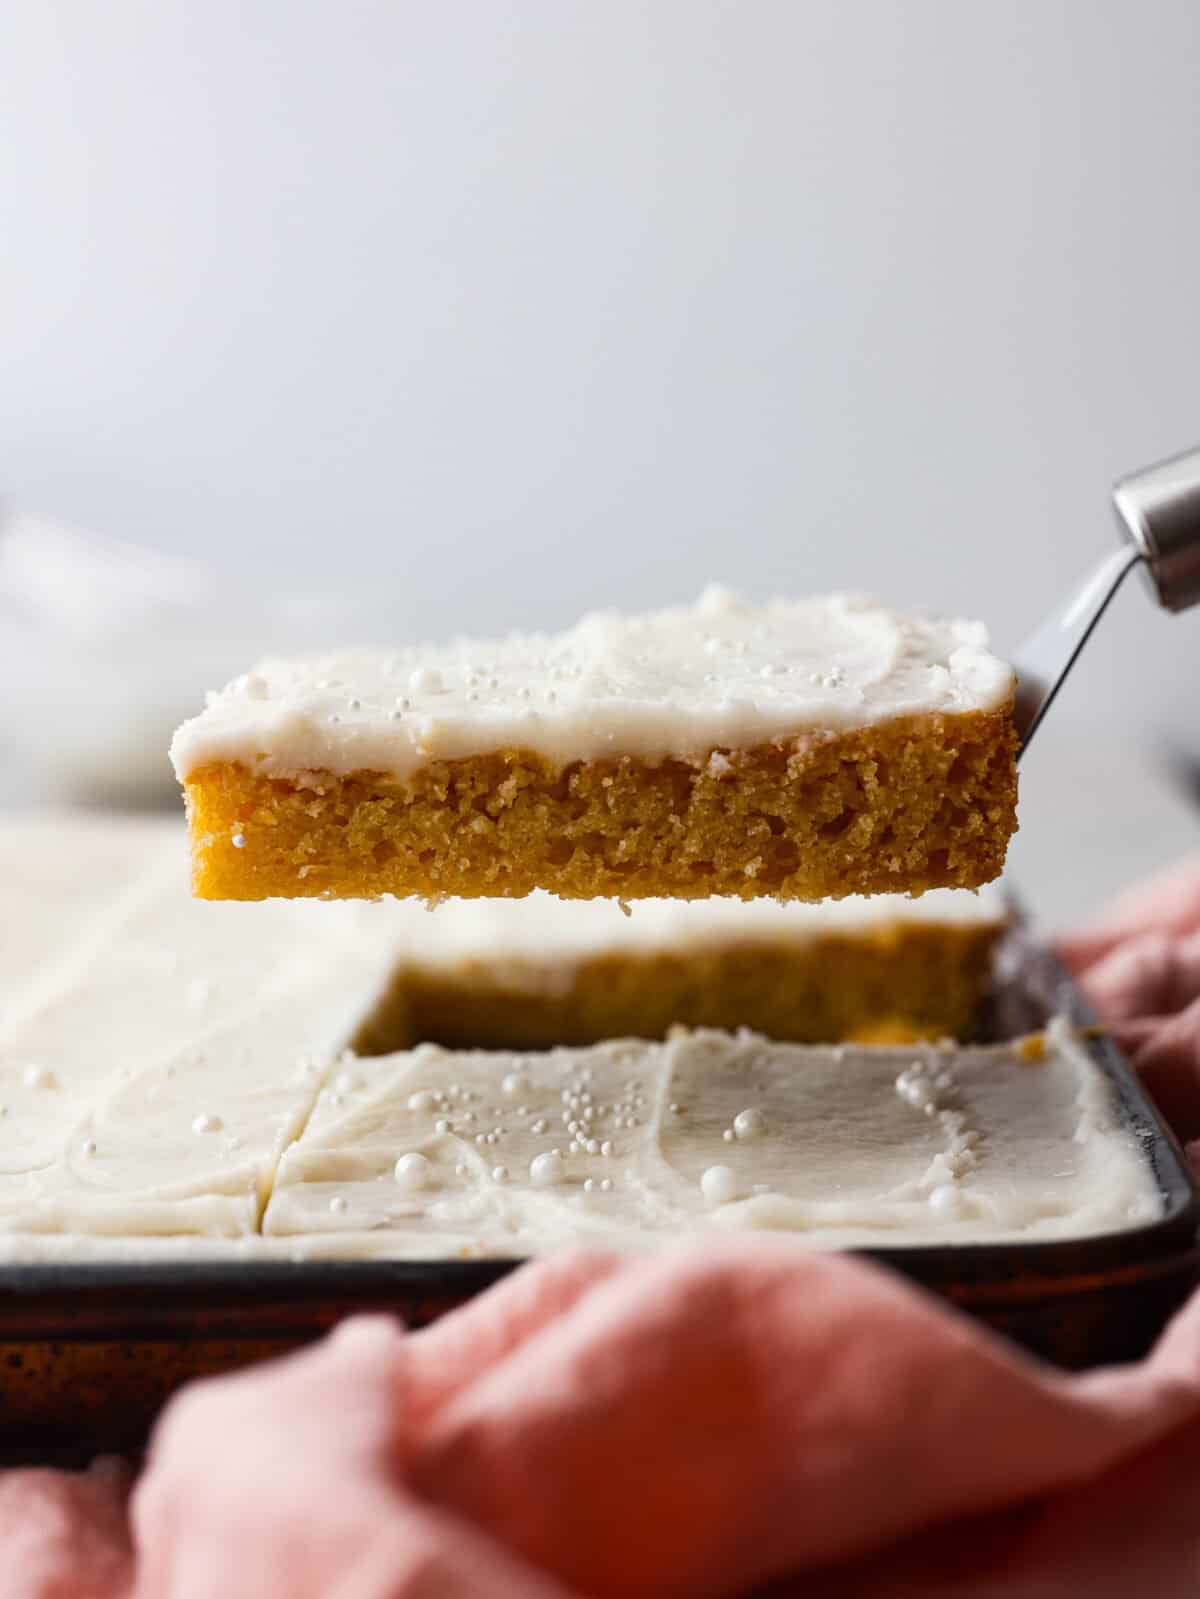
750, 1123
412, 1172
719, 1185
931, 1088
207, 1124
946, 1200
584, 1128
546, 1170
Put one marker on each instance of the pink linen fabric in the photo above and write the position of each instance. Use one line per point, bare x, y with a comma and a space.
1140, 963
731, 1418
709, 1422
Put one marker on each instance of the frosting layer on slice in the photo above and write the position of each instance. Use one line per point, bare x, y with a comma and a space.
721, 674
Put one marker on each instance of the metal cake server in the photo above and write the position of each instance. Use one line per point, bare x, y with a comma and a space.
1158, 512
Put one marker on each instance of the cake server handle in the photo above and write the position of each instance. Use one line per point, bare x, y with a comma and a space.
1158, 511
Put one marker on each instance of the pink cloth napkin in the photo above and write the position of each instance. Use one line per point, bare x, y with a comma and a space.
1140, 962
706, 1422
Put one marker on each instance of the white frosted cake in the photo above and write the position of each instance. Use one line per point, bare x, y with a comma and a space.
801, 749
175, 1082
434, 1153
156, 1055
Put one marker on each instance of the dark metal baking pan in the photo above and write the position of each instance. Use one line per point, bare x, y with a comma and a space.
89, 1353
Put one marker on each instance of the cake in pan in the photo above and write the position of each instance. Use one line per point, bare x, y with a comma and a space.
180, 1079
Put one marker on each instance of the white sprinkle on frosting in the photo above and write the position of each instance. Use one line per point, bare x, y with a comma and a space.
946, 1200
412, 1172
750, 1123
546, 1170
635, 683
719, 1184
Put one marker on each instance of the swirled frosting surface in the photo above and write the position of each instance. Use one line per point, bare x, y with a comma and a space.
627, 1144
720, 674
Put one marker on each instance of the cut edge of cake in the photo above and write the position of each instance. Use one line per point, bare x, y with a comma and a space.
799, 750
908, 806
539, 973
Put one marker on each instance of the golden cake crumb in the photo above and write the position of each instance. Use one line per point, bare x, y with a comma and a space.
914, 803
898, 983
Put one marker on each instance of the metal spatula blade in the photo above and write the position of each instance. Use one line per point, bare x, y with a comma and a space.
1158, 511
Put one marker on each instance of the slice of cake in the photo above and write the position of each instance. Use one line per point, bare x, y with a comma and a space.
800, 750
535, 972
156, 1054
628, 1145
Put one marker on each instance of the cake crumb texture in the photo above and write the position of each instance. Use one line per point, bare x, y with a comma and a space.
894, 985
916, 803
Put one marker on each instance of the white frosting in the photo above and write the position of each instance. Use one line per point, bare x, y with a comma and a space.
624, 1144
721, 674
155, 1057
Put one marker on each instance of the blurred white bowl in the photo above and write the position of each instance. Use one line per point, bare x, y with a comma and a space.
107, 647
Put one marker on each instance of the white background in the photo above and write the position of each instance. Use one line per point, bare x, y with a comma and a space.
515, 309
